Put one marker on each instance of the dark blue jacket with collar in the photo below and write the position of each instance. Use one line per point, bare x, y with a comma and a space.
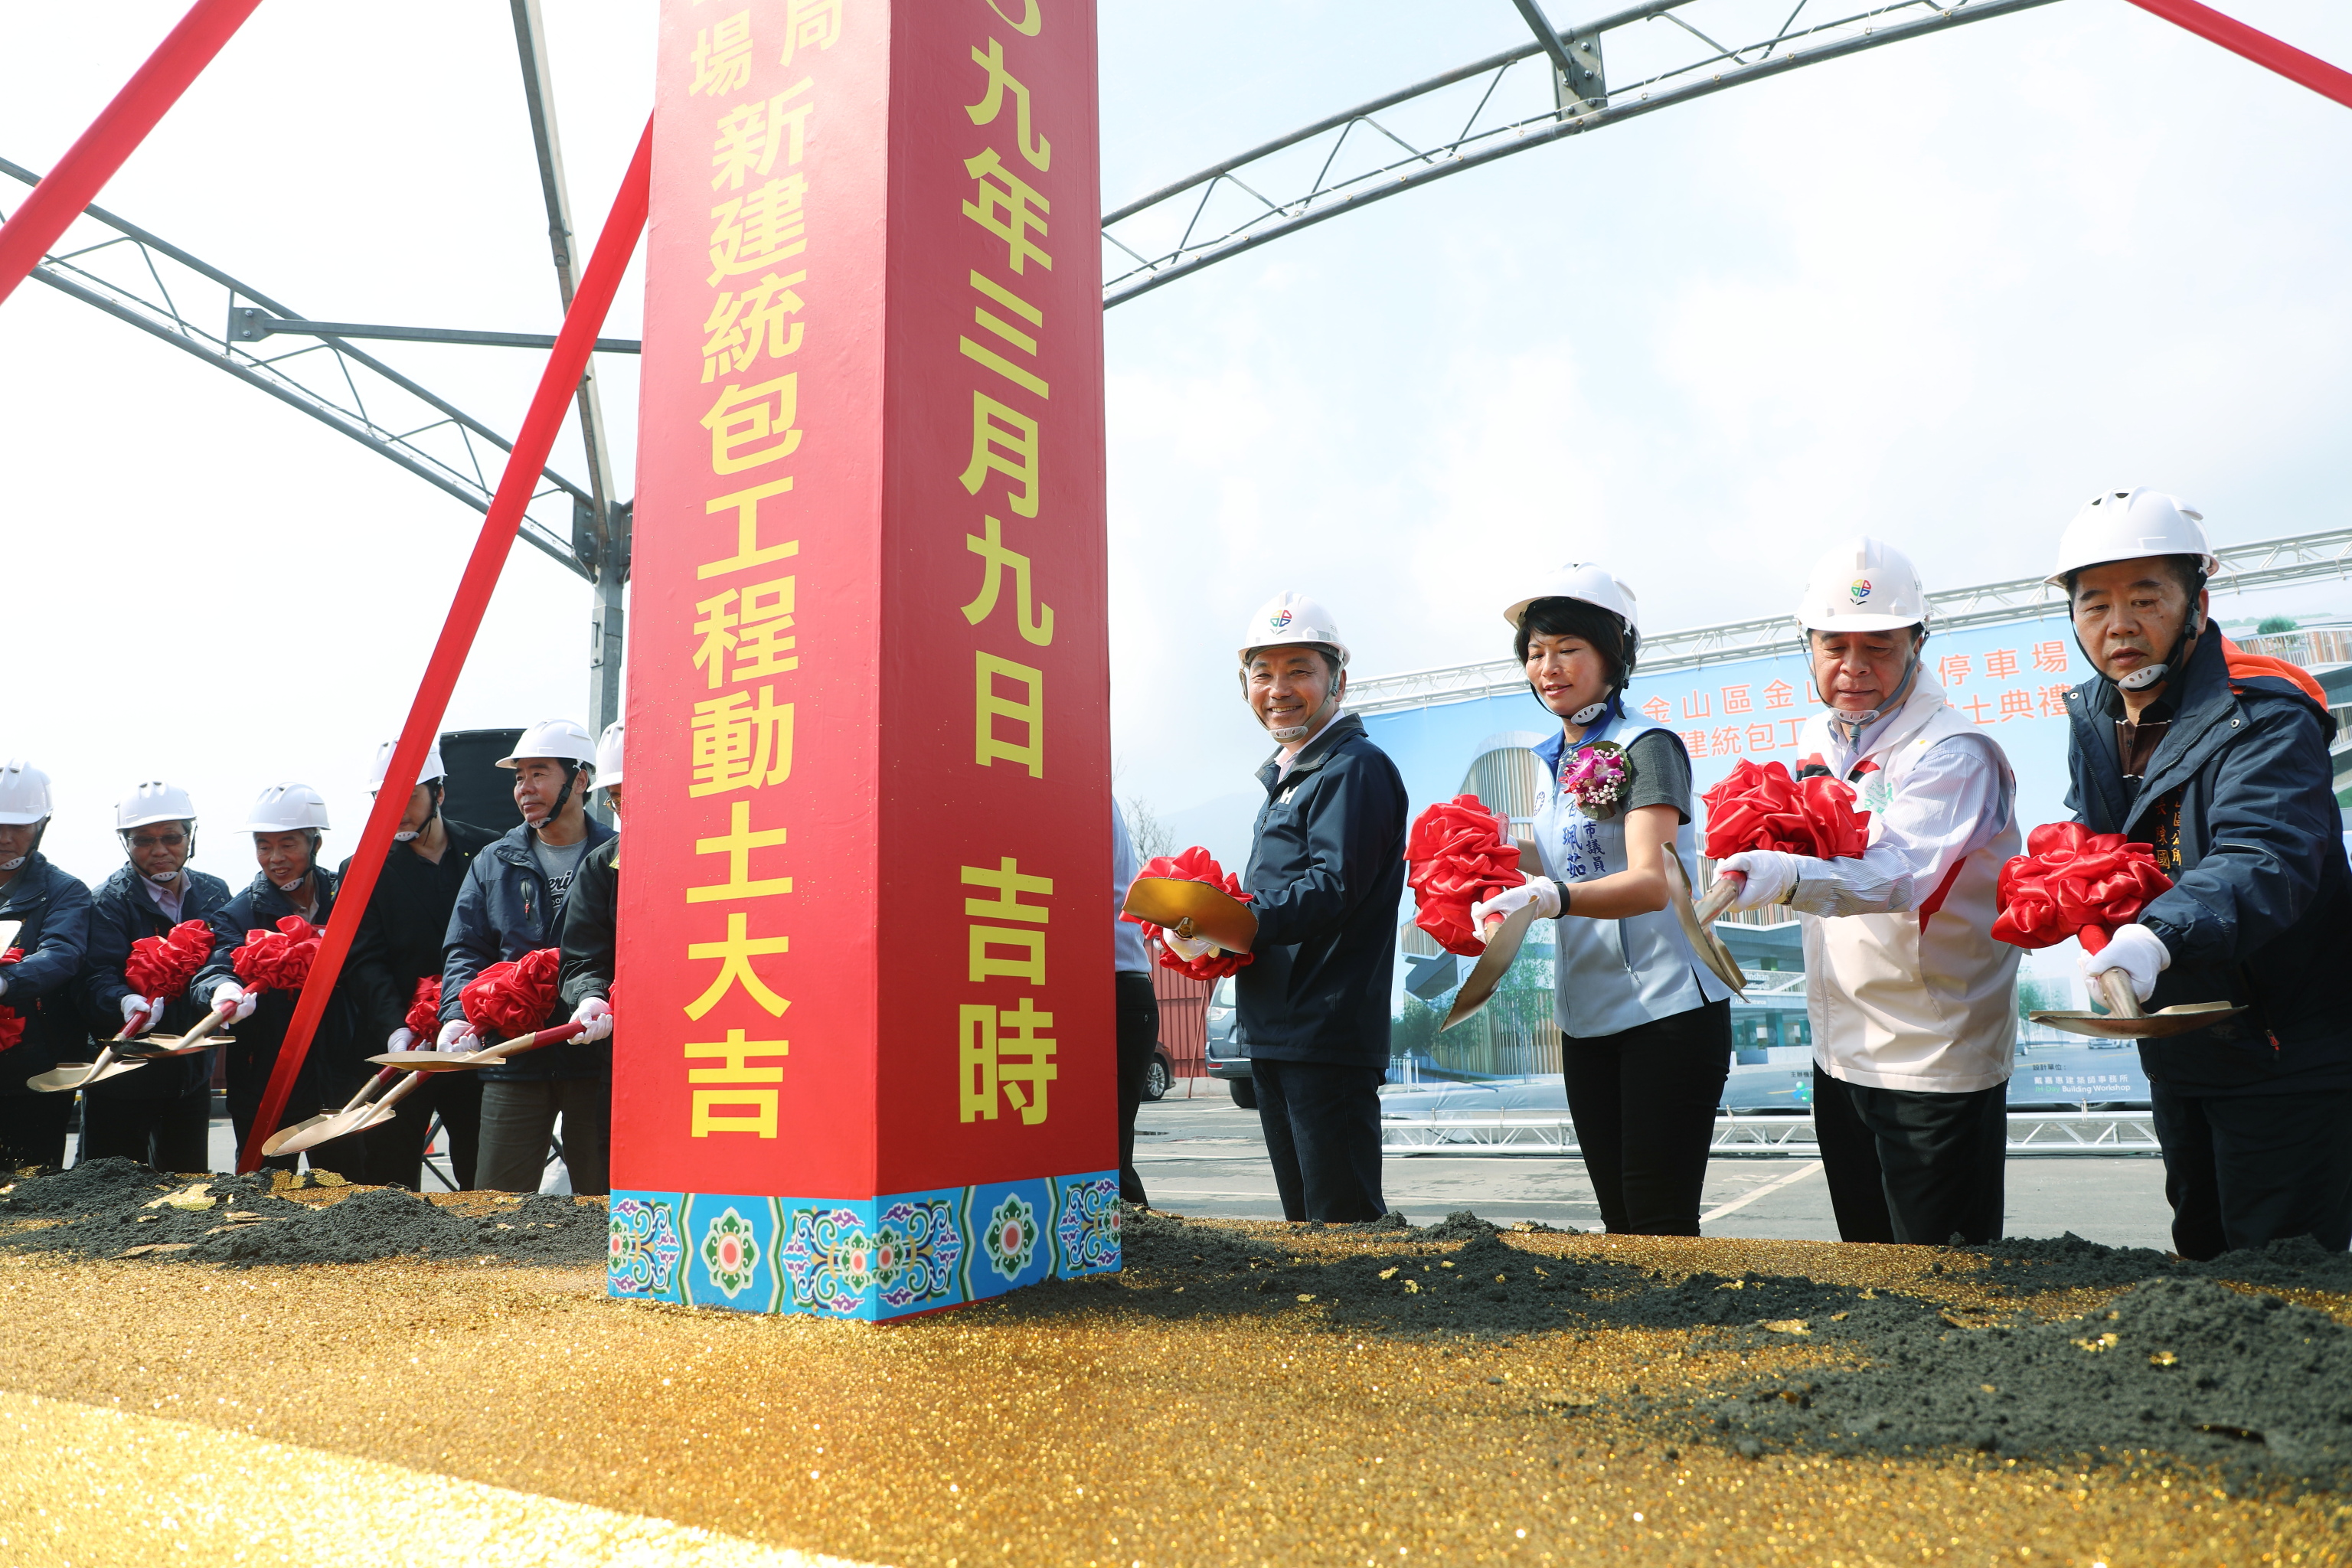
120, 913
2261, 913
54, 909
332, 1066
1326, 880
503, 912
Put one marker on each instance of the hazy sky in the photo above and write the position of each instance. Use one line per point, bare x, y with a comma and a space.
1941, 292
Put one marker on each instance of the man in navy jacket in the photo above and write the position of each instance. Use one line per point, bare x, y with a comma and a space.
51, 913
1326, 878
2220, 760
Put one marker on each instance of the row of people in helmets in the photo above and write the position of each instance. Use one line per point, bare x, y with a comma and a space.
2180, 740
452, 899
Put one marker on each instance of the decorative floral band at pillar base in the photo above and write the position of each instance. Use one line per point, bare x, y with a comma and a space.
869, 1259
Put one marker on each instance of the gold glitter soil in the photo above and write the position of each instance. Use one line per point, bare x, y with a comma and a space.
1109, 1422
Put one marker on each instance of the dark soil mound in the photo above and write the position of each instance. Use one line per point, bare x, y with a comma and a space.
2027, 1265
93, 1184
1459, 1225
2183, 1366
125, 1212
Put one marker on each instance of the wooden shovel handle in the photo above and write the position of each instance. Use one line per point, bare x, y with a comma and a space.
1718, 897
2115, 989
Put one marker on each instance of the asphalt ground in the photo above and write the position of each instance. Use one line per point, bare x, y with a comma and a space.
1206, 1156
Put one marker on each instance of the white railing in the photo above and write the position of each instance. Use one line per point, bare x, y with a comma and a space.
1553, 1132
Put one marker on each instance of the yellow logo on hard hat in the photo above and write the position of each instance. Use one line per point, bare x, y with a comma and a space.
1860, 590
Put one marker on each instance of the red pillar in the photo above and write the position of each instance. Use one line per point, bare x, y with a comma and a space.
865, 1057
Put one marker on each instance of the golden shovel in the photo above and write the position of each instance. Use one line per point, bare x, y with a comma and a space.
328, 1125
2125, 1021
1193, 909
1503, 939
1698, 925
124, 1055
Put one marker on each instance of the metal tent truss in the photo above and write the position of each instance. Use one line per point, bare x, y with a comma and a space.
2263, 563
135, 276
1556, 85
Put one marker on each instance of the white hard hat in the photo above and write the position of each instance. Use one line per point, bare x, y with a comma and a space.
153, 802
1863, 586
1288, 619
2124, 525
287, 808
432, 769
1582, 581
608, 756
24, 793
564, 738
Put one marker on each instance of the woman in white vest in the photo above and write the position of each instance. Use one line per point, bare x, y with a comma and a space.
1912, 1002
1647, 1027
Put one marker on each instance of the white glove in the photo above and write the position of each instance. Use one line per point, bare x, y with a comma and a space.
2138, 952
457, 1034
142, 1011
1769, 875
1540, 892
1188, 948
597, 1013
230, 994
402, 1039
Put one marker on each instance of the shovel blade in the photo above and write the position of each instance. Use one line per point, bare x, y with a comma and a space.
428, 1061
278, 1140
78, 1074
154, 1047
1487, 974
317, 1131
2182, 1020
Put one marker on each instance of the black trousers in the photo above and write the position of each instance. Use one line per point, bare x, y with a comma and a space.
519, 1128
32, 1129
1644, 1103
1911, 1165
166, 1134
396, 1150
1139, 1032
2245, 1170
1322, 1125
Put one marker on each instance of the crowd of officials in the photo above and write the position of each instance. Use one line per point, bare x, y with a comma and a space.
452, 900
2216, 759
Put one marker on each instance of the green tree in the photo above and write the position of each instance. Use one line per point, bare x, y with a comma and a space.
2273, 625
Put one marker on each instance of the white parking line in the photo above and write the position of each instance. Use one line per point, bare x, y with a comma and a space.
1742, 1200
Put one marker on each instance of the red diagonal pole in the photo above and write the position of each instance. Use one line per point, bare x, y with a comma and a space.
115, 135
2327, 80
548, 405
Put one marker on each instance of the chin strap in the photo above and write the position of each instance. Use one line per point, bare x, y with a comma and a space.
1855, 723
406, 836
2150, 675
19, 863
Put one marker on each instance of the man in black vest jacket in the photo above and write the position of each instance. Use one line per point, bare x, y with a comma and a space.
2220, 760
399, 943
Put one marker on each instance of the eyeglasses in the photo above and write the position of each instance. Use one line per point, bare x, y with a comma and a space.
151, 840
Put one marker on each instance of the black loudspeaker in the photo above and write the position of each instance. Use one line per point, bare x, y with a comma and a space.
479, 792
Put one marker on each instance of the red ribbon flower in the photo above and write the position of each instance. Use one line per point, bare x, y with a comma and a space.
1195, 865
162, 965
1461, 853
512, 998
424, 1018
2073, 882
12, 1026
1763, 808
278, 960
